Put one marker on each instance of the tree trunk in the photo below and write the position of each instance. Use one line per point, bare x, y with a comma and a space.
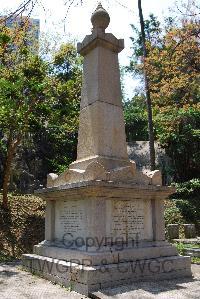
147, 90
12, 145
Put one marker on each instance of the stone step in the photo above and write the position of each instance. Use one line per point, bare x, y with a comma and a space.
111, 257
194, 252
86, 279
188, 241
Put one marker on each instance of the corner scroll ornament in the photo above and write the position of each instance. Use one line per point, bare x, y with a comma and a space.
95, 171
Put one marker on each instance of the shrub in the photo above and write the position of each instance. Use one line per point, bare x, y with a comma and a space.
172, 213
21, 226
181, 248
187, 200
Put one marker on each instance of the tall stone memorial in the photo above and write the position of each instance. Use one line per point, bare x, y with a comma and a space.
104, 222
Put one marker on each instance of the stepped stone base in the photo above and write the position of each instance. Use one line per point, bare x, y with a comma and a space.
195, 252
126, 226
86, 279
111, 255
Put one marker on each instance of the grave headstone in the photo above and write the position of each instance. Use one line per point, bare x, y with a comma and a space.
189, 231
173, 231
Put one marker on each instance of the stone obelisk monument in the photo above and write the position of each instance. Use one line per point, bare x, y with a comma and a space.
104, 219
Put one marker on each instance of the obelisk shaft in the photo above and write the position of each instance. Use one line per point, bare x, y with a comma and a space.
101, 130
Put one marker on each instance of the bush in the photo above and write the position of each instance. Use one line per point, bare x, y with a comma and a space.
21, 226
187, 200
181, 248
172, 213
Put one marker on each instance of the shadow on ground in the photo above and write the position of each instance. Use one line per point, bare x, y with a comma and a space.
151, 287
7, 270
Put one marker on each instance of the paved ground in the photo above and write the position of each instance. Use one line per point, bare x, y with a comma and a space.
174, 289
17, 284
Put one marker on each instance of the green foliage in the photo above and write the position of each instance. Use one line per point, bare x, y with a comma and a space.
172, 68
178, 131
188, 189
135, 119
22, 85
152, 34
181, 248
66, 63
24, 100
184, 205
192, 245
195, 260
172, 213
187, 201
61, 133
39, 102
54, 144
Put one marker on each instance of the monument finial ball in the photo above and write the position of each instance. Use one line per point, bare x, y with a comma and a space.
100, 18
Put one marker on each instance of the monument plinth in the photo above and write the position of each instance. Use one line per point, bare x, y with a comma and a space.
104, 219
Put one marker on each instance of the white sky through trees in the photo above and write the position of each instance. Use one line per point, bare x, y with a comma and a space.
75, 23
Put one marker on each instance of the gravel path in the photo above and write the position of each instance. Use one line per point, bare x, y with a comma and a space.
18, 284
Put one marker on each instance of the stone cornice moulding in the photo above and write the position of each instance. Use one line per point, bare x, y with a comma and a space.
105, 40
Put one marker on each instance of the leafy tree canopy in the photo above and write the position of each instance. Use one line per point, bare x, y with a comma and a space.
173, 66
39, 102
136, 119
